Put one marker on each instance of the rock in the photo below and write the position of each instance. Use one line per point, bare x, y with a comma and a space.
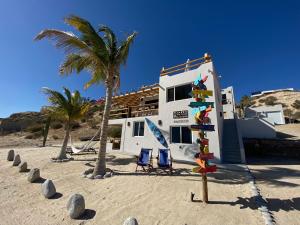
48, 189
76, 206
130, 221
34, 175
23, 167
17, 160
10, 155
98, 177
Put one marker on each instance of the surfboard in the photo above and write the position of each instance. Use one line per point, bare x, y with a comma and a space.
157, 133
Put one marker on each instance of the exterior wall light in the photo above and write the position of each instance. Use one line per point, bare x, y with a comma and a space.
128, 124
159, 122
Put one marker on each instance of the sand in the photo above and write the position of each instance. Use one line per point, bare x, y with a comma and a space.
279, 182
152, 199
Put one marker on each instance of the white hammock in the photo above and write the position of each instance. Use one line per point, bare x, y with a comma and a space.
85, 146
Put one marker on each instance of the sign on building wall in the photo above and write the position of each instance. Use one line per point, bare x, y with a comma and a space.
180, 114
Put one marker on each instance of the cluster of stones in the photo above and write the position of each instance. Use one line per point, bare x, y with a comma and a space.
89, 174
17, 161
260, 202
76, 203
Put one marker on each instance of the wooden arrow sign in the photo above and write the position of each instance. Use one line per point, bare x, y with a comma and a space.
199, 104
203, 127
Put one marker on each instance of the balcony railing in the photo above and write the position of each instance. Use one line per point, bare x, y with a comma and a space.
189, 65
134, 111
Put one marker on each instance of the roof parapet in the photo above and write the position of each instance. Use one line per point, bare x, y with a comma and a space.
188, 65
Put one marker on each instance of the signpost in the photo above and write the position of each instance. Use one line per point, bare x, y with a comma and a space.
200, 93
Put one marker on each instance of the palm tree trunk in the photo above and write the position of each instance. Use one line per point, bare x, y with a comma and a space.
100, 168
63, 152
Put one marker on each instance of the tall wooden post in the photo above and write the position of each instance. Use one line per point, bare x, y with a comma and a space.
204, 188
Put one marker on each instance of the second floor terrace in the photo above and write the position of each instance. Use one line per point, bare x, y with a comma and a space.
143, 102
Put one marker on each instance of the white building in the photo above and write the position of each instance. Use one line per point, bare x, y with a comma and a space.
228, 103
166, 105
272, 114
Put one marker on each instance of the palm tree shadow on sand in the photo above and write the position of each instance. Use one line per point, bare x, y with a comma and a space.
274, 204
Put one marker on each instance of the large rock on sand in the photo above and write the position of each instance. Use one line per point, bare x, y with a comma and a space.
76, 206
34, 175
11, 155
23, 167
17, 160
48, 189
130, 221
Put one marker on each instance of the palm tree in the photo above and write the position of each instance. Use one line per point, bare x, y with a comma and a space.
102, 56
69, 109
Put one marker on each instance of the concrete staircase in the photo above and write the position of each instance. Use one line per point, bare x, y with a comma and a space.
231, 148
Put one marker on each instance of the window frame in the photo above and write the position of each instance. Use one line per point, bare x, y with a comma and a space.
174, 92
139, 125
180, 135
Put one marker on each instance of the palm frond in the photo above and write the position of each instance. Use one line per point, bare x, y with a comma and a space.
97, 77
89, 35
123, 50
110, 40
70, 108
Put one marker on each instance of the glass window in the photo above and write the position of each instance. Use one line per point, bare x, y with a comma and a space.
181, 135
183, 92
138, 129
186, 135
224, 99
170, 94
175, 132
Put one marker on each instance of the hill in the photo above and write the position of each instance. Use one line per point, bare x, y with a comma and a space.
290, 101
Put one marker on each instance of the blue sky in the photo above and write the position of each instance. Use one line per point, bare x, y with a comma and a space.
254, 44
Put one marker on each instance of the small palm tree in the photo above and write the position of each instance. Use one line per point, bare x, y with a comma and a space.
69, 109
102, 56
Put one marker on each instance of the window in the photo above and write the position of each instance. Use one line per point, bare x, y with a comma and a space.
183, 92
224, 99
181, 135
179, 92
170, 94
138, 129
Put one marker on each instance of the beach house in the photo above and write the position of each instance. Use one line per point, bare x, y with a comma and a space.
166, 104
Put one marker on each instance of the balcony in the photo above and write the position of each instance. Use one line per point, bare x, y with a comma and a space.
134, 111
143, 102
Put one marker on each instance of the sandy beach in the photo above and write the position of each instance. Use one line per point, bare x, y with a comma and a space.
279, 182
153, 199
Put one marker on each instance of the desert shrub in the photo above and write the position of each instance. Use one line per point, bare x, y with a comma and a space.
56, 125
296, 104
93, 123
271, 100
283, 104
29, 136
114, 132
35, 128
75, 125
296, 115
37, 134
287, 112
55, 137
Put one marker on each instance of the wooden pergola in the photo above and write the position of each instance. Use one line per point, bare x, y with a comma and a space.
134, 98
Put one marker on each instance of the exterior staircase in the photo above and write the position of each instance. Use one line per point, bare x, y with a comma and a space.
231, 148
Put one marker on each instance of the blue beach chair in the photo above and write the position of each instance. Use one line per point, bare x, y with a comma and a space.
145, 160
164, 160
